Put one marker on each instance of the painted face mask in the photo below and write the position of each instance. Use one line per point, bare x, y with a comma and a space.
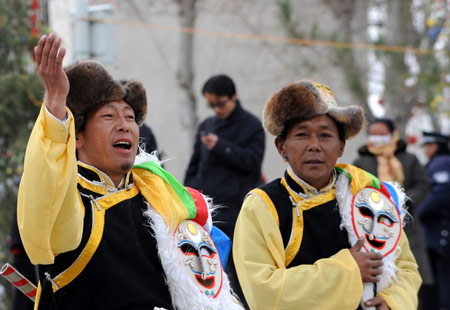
198, 254
376, 218
378, 141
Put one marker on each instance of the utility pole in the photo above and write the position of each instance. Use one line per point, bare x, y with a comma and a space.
185, 76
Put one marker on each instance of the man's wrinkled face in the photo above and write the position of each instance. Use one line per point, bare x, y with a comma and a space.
199, 255
312, 148
110, 139
377, 219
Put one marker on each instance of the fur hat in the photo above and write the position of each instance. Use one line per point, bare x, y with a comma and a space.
305, 99
92, 86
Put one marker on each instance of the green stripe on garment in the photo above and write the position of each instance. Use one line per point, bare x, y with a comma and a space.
181, 191
375, 181
340, 170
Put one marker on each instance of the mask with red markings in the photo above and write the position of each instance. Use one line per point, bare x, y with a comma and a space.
198, 254
375, 217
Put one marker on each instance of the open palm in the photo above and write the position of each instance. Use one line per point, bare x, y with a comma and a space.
49, 57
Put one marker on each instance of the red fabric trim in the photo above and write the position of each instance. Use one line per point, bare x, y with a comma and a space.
200, 203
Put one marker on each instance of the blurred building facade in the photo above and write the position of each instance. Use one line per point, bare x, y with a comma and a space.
146, 40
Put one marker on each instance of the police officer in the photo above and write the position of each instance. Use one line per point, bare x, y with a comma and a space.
434, 212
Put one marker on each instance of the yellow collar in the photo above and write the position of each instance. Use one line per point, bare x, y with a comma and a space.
308, 190
105, 181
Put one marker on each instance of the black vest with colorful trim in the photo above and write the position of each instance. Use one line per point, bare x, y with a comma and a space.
310, 231
310, 227
302, 225
101, 273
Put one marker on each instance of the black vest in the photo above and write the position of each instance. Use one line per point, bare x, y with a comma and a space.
124, 272
322, 236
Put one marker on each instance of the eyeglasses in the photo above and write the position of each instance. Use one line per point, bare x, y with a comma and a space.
219, 104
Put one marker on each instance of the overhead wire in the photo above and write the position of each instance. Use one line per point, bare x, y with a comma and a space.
269, 38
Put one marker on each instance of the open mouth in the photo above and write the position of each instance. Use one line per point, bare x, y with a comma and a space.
207, 283
377, 244
122, 145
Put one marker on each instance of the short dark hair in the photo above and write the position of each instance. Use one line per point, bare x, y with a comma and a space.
387, 121
220, 85
290, 123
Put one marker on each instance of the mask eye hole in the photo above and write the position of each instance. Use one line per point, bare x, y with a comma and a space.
188, 249
383, 219
206, 251
366, 212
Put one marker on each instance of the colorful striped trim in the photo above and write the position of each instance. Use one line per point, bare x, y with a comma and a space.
359, 178
375, 182
389, 191
179, 189
201, 206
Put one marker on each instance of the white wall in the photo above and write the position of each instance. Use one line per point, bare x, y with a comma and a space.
148, 52
60, 22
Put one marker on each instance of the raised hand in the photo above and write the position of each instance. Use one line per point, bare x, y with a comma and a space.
369, 263
48, 59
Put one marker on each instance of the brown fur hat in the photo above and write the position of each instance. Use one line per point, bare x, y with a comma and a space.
305, 99
92, 86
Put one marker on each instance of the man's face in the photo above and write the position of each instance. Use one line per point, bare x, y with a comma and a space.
222, 105
312, 148
429, 149
110, 139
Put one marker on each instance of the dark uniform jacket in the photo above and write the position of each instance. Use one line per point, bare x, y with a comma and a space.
435, 210
232, 168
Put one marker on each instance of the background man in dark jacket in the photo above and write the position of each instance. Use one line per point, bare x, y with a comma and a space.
228, 152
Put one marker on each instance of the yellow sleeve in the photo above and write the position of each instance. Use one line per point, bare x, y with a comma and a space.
403, 293
49, 214
331, 283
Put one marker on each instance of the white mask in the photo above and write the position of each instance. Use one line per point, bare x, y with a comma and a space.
198, 254
376, 218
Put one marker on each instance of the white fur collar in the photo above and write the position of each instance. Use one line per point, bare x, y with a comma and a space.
185, 295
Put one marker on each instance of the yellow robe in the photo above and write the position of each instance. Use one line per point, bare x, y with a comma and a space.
328, 284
